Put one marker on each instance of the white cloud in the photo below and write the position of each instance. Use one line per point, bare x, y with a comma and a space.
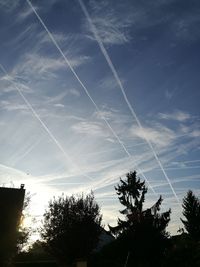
9, 5
58, 105
195, 133
35, 64
60, 97
59, 37
107, 114
187, 28
58, 100
112, 26
7, 88
38, 66
185, 129
25, 13
12, 106
169, 94
78, 60
74, 92
109, 83
118, 118
190, 130
120, 23
158, 135
110, 32
176, 115
90, 128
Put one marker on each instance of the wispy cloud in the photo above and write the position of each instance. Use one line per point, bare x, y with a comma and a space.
74, 124
74, 92
186, 27
119, 119
159, 135
176, 115
195, 133
109, 83
7, 173
90, 128
115, 28
6, 87
59, 99
112, 26
37, 66
35, 62
9, 5
169, 94
12, 106
24, 14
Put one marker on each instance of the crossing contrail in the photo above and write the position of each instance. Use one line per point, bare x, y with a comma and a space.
114, 72
20, 157
83, 86
40, 120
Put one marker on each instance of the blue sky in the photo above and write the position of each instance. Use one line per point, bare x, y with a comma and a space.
90, 90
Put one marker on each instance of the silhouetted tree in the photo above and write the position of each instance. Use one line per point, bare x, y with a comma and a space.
183, 251
191, 211
71, 227
35, 253
143, 231
24, 232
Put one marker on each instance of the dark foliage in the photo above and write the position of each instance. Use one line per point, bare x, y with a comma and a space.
113, 254
71, 227
143, 232
24, 232
183, 252
191, 212
35, 256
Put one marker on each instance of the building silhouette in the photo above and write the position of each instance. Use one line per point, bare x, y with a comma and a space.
11, 205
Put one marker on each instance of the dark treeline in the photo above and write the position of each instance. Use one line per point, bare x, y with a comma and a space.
142, 239
72, 231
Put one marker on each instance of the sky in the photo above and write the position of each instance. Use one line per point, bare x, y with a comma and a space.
90, 90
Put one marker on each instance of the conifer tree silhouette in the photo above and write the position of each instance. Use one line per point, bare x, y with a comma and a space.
191, 211
143, 232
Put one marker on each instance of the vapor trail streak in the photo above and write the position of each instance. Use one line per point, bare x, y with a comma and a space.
75, 74
189, 161
41, 122
20, 157
113, 70
83, 86
181, 168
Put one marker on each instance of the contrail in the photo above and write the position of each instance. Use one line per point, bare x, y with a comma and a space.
40, 120
83, 86
181, 168
17, 159
75, 74
189, 161
113, 70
